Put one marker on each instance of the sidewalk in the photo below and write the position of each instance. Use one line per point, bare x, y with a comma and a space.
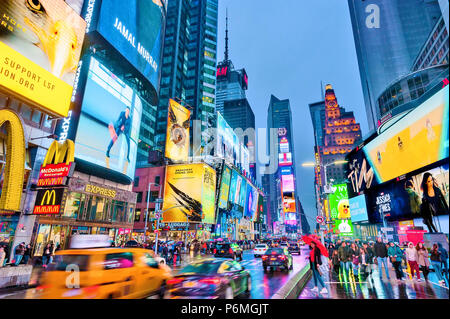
374, 288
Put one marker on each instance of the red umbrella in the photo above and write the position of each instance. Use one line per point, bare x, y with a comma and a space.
308, 239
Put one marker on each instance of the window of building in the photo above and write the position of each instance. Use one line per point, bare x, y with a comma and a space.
157, 180
139, 197
74, 205
136, 181
137, 215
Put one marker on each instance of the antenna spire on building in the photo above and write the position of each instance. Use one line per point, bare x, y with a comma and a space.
226, 38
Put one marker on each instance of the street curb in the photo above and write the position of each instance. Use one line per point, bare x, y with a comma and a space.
293, 288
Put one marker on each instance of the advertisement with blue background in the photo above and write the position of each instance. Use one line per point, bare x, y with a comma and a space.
113, 111
251, 203
358, 209
135, 28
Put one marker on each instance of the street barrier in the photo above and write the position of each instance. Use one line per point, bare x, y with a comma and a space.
293, 288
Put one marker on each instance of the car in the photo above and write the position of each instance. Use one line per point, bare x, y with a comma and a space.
260, 249
275, 258
230, 250
210, 278
284, 244
132, 243
104, 273
294, 247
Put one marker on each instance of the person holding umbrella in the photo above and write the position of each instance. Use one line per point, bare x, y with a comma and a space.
315, 260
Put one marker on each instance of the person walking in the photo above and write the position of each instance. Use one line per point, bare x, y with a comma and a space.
2, 256
344, 258
396, 255
165, 252
315, 260
444, 259
19, 252
423, 260
381, 254
370, 256
412, 258
364, 262
46, 255
435, 257
335, 262
355, 259
27, 254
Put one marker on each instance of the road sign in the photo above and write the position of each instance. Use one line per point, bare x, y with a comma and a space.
320, 219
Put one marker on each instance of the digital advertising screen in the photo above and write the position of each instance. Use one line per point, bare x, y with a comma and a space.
344, 226
242, 193
339, 204
224, 187
40, 46
227, 140
287, 183
113, 111
245, 158
251, 203
235, 187
401, 199
285, 159
76, 5
419, 139
358, 209
192, 187
289, 203
177, 135
290, 219
136, 32
284, 145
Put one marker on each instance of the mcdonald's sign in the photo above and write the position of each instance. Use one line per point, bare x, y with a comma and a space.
49, 201
58, 164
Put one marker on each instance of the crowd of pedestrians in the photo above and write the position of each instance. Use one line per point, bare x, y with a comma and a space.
358, 260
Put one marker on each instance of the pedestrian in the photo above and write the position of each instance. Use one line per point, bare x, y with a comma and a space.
27, 254
435, 257
422, 260
46, 255
6, 249
19, 252
52, 250
58, 248
364, 262
381, 254
354, 251
433, 201
204, 247
344, 258
444, 259
2, 256
369, 255
412, 258
396, 255
315, 260
335, 262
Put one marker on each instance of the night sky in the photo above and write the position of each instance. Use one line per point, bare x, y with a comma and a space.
287, 50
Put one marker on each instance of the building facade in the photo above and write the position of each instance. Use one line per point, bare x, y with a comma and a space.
189, 63
388, 36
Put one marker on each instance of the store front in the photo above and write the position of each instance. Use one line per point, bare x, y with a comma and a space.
8, 225
89, 209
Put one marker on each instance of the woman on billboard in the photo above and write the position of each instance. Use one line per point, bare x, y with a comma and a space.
433, 202
122, 125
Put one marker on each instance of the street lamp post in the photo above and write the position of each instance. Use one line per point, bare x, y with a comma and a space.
156, 207
157, 222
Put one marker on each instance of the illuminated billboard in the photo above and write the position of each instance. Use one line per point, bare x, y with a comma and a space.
227, 141
401, 199
108, 129
243, 193
285, 159
344, 227
177, 135
235, 187
339, 204
135, 31
192, 187
290, 219
40, 46
289, 203
419, 139
284, 145
251, 203
224, 187
245, 158
358, 209
287, 183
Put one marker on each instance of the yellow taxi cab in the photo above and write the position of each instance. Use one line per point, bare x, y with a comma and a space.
103, 273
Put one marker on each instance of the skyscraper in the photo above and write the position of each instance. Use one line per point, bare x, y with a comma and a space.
189, 63
281, 186
388, 36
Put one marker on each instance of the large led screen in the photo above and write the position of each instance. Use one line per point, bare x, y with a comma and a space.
285, 159
243, 193
224, 187
289, 203
417, 140
401, 199
40, 46
136, 30
339, 204
284, 145
251, 203
344, 227
287, 183
191, 187
177, 132
235, 187
227, 141
108, 129
358, 209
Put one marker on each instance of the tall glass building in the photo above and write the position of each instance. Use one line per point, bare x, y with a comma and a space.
189, 63
231, 84
388, 36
